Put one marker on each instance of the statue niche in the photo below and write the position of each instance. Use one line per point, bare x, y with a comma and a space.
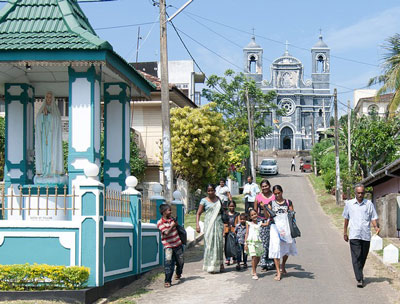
49, 158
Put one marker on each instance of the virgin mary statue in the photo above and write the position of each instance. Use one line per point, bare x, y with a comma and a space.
48, 144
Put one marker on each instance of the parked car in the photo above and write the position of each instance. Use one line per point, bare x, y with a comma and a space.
268, 166
307, 167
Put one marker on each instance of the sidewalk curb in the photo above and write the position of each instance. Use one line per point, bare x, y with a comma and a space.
195, 241
387, 266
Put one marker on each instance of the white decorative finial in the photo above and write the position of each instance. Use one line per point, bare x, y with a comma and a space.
157, 188
131, 182
177, 195
91, 170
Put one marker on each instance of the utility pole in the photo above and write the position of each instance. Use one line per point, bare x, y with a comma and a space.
324, 117
251, 137
137, 44
349, 135
313, 140
338, 190
349, 142
166, 133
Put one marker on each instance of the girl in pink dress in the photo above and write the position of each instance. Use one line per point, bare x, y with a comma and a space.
264, 198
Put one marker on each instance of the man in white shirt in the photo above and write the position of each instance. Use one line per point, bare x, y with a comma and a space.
359, 213
250, 190
224, 193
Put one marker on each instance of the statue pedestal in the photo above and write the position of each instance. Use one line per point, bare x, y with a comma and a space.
55, 180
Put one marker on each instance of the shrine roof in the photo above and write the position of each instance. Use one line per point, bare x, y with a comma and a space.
47, 25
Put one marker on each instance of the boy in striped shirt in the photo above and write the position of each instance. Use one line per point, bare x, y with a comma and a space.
173, 250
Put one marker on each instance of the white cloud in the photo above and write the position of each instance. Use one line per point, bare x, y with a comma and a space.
365, 33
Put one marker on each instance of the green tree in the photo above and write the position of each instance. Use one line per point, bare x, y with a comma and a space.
229, 94
198, 147
375, 142
390, 78
137, 163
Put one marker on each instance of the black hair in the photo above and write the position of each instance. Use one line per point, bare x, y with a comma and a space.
243, 215
210, 185
232, 202
277, 187
250, 210
164, 207
265, 181
222, 180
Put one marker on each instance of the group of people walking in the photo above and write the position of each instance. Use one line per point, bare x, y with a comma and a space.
256, 232
252, 233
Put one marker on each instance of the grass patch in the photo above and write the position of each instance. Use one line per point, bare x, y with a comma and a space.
327, 201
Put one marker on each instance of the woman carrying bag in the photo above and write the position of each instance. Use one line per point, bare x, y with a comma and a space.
281, 244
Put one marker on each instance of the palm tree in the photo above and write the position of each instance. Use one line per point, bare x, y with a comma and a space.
391, 73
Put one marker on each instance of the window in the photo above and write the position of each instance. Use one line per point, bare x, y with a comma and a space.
252, 64
373, 110
288, 105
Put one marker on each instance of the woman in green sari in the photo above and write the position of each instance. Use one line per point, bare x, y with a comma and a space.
213, 231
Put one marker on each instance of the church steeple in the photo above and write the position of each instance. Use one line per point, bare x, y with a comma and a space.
320, 56
252, 55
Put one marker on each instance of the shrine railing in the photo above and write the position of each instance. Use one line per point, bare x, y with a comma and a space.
37, 202
149, 211
117, 205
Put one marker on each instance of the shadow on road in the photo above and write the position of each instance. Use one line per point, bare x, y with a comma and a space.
299, 273
377, 280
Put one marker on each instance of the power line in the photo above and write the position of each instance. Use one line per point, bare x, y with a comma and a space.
207, 48
277, 41
123, 26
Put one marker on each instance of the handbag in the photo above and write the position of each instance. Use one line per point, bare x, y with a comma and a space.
182, 233
294, 229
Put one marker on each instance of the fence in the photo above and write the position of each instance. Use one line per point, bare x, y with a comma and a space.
116, 204
45, 201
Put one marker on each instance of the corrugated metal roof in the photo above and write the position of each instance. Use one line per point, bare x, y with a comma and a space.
47, 25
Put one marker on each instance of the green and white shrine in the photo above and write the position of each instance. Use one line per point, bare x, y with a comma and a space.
48, 49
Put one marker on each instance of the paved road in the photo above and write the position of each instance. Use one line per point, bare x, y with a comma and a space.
321, 273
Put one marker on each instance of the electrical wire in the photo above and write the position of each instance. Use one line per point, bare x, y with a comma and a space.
276, 41
123, 26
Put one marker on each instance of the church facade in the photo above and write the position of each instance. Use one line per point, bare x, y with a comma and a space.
307, 103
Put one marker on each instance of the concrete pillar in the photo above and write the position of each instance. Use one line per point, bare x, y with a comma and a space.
92, 225
178, 209
19, 139
156, 200
116, 134
84, 121
136, 218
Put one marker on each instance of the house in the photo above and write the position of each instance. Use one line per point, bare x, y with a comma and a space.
180, 72
386, 197
147, 124
373, 104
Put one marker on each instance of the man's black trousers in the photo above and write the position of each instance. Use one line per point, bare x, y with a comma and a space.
359, 251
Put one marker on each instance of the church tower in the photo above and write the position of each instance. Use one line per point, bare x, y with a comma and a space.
253, 65
320, 58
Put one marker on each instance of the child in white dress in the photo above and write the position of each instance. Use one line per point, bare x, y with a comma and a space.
253, 242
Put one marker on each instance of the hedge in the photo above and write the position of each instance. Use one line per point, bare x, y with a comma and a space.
42, 277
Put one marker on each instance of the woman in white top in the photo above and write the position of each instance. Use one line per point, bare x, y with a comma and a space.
224, 194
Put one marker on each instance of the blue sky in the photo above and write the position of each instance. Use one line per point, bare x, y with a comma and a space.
354, 30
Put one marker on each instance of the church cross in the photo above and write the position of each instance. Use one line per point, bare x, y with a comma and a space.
253, 29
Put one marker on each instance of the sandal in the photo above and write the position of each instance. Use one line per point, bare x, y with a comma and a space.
254, 277
167, 285
277, 278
